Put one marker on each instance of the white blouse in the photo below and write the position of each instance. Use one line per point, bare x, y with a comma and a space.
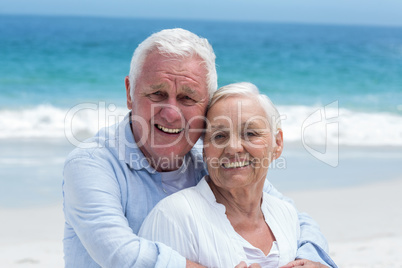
194, 224
255, 255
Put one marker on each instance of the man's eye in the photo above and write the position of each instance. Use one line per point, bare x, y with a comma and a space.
156, 96
186, 100
157, 93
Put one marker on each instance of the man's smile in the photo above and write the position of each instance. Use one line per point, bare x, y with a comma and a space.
169, 130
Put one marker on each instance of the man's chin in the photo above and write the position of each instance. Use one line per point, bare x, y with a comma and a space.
167, 156
167, 162
175, 153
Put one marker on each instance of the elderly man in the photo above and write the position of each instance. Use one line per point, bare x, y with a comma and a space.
109, 189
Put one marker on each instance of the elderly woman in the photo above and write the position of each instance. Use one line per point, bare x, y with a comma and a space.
227, 218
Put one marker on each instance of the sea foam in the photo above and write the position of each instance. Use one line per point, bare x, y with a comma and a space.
310, 125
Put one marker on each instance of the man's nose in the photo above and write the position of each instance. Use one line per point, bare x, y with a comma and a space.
170, 111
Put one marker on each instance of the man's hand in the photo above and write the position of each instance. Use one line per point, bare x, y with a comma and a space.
190, 264
304, 264
244, 265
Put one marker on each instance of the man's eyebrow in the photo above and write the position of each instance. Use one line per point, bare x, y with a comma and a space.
158, 86
189, 90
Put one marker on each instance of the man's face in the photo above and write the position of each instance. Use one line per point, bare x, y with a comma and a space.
170, 102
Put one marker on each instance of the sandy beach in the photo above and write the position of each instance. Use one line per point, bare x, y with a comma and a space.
362, 225
357, 203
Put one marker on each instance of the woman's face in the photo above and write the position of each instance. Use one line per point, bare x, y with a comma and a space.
239, 145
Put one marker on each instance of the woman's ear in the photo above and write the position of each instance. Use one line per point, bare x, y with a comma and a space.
279, 144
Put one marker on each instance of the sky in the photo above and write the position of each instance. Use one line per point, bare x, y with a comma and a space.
360, 12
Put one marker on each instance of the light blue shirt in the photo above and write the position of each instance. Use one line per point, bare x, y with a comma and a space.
109, 188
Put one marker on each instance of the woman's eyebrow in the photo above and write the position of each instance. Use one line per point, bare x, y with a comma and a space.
219, 127
248, 124
253, 124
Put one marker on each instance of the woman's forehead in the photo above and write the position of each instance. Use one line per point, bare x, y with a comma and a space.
241, 121
236, 108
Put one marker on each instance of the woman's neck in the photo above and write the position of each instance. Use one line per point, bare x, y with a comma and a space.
240, 202
243, 210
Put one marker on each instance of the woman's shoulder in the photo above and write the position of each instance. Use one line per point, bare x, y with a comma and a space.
182, 203
279, 206
180, 200
282, 217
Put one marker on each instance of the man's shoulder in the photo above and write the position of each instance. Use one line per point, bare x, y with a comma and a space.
98, 146
87, 149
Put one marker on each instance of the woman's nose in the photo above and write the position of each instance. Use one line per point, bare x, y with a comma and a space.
235, 144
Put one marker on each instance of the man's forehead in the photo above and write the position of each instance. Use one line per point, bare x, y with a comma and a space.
164, 85
155, 59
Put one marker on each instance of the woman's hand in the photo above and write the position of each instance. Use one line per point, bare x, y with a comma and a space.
304, 264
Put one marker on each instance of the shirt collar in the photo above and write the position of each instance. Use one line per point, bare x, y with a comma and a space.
206, 191
128, 149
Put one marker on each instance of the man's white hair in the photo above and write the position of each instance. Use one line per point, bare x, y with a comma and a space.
178, 43
249, 90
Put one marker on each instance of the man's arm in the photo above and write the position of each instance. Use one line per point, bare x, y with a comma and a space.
312, 244
93, 209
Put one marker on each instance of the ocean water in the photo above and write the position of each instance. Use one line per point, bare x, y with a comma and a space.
63, 77
51, 64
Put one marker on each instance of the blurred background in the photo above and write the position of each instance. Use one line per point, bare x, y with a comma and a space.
333, 68
343, 56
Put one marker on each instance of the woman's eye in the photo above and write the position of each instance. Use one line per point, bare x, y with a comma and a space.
218, 137
250, 135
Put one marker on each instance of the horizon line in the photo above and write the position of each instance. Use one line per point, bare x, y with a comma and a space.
103, 16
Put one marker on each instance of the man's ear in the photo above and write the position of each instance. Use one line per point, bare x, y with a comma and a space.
279, 144
128, 95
